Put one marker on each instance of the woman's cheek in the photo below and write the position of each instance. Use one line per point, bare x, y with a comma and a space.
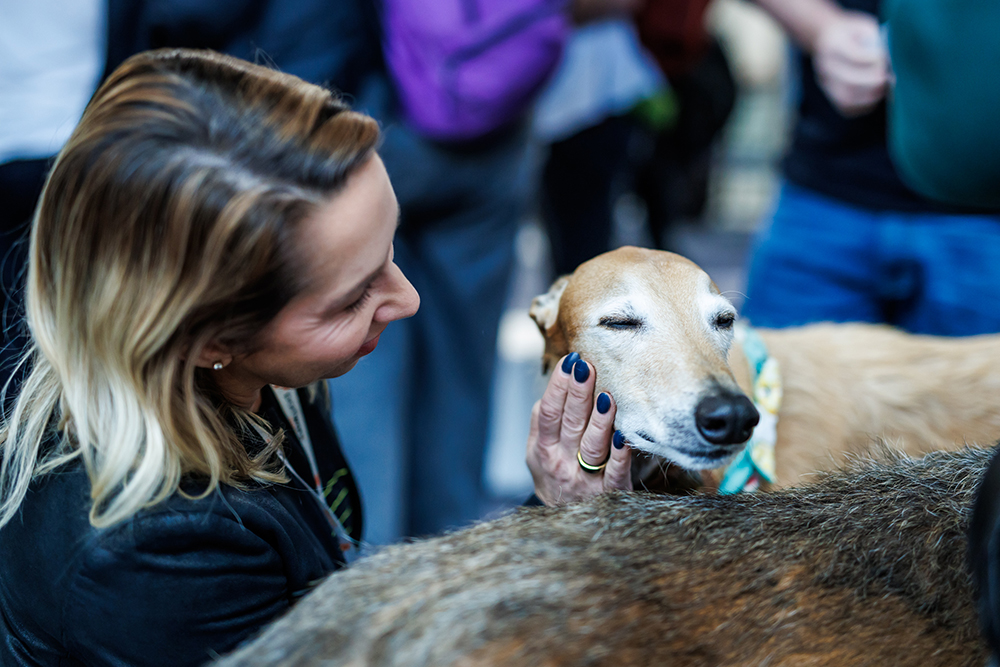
348, 334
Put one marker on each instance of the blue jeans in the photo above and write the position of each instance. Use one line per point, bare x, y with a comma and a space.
822, 260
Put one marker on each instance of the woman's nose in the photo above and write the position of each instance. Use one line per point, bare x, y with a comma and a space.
402, 300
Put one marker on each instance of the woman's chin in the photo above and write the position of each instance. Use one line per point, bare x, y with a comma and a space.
368, 347
343, 368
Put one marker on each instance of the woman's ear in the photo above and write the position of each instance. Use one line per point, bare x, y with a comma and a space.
212, 355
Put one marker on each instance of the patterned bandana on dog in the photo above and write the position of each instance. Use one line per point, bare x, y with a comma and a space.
755, 464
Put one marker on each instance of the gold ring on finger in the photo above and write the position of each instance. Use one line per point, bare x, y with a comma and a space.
588, 468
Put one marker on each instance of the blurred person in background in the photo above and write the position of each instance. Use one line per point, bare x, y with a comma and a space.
584, 120
849, 241
673, 174
457, 82
637, 104
51, 59
945, 141
464, 175
942, 118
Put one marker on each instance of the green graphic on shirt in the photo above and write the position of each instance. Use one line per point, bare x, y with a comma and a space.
337, 487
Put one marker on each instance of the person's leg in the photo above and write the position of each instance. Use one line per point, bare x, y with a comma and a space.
463, 280
579, 181
461, 228
814, 262
423, 402
955, 263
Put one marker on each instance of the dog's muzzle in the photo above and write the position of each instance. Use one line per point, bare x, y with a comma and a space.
726, 418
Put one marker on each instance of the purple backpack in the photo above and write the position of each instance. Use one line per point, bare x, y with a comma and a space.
464, 68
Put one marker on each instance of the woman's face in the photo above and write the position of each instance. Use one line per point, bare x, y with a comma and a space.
352, 291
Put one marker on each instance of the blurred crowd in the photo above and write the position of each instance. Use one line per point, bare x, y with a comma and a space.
492, 110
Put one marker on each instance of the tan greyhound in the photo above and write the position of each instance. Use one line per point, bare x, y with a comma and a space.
661, 337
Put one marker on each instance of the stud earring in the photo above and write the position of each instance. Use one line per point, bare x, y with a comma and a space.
218, 366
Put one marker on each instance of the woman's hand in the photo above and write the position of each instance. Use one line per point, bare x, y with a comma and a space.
568, 420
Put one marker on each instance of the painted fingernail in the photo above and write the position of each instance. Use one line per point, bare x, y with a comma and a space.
581, 371
618, 440
568, 362
603, 403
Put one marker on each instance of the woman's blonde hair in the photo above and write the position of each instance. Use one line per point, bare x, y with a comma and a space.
167, 223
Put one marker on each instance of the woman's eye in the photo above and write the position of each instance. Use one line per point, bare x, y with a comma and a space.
725, 321
621, 322
360, 300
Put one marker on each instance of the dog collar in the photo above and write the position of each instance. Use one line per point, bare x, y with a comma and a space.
755, 464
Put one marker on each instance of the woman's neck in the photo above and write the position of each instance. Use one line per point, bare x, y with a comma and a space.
242, 392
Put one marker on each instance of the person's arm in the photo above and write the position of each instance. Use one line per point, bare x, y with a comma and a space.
803, 20
851, 62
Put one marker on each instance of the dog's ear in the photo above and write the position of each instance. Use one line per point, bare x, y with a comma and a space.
544, 311
545, 307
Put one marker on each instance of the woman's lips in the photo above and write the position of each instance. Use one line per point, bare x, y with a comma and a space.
368, 347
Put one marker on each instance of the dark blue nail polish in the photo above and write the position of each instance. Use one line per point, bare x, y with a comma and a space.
603, 403
581, 371
618, 440
568, 362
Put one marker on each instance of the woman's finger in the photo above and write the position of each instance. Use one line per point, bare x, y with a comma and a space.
595, 445
618, 472
552, 404
579, 403
533, 428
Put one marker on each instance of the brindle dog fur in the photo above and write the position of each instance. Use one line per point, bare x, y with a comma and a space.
863, 567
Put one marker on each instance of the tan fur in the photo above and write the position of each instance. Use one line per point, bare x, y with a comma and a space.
845, 385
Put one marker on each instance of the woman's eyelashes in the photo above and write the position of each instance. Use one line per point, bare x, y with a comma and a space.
367, 293
361, 300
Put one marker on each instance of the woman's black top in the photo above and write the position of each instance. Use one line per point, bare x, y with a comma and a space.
179, 583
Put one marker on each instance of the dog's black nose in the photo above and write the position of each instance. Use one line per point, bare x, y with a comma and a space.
726, 418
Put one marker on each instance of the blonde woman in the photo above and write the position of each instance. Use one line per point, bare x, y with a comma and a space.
212, 233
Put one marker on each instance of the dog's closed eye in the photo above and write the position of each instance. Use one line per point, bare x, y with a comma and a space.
620, 322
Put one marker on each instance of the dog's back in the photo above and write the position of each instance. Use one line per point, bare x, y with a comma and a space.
865, 567
847, 385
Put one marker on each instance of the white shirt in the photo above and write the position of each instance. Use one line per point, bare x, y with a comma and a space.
52, 54
605, 71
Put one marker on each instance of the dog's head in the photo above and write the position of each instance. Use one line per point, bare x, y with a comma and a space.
659, 334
